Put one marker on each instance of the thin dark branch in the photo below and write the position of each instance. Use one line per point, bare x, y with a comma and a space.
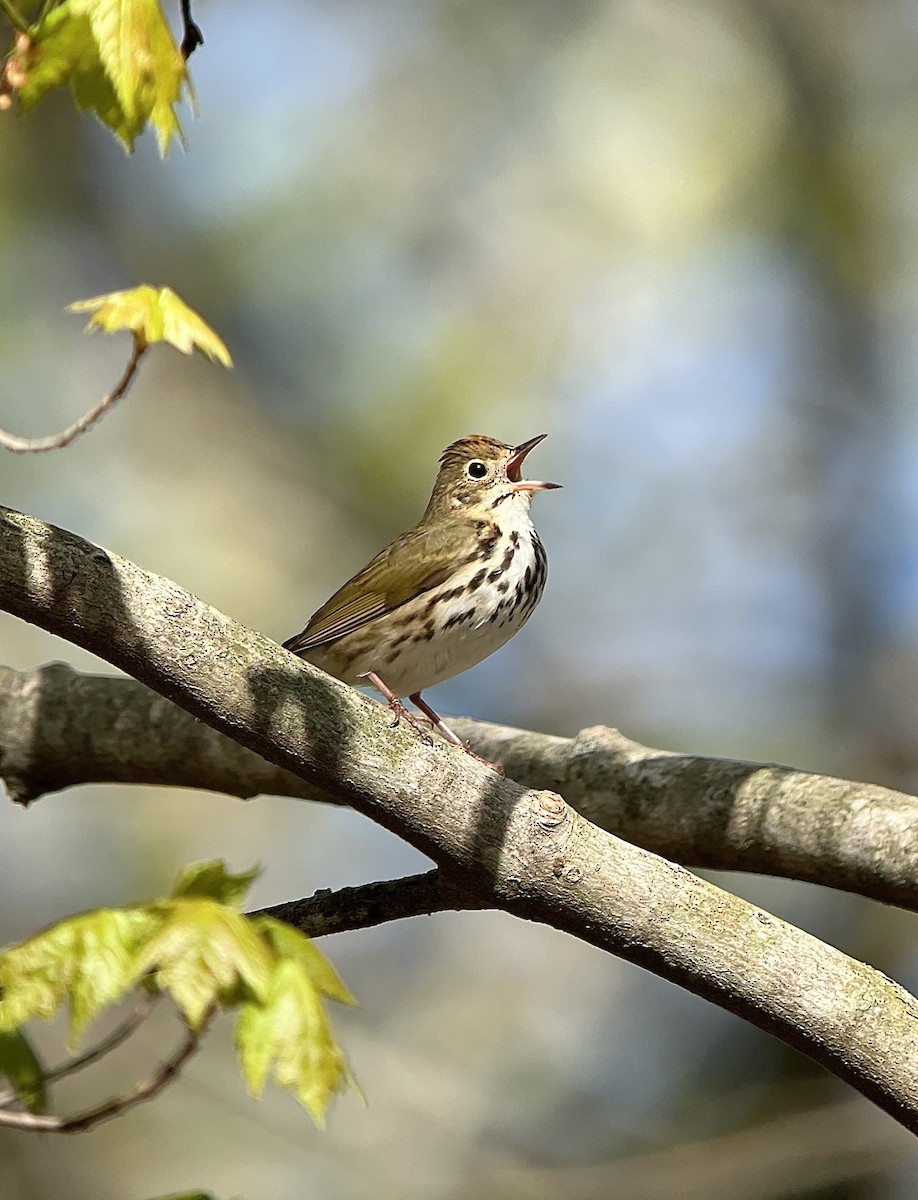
119, 1035
370, 904
47, 1123
21, 445
192, 37
14, 16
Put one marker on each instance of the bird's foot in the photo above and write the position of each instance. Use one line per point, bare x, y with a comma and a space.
485, 762
399, 711
441, 726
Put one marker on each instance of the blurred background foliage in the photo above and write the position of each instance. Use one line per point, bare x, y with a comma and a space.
681, 238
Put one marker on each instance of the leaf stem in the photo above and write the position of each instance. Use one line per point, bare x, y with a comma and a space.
15, 18
119, 1035
116, 1038
48, 1123
21, 445
192, 34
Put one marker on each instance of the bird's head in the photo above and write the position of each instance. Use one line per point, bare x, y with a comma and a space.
480, 475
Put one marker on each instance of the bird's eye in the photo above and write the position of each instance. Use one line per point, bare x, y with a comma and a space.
476, 469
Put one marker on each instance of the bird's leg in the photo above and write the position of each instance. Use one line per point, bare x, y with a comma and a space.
436, 720
440, 725
398, 708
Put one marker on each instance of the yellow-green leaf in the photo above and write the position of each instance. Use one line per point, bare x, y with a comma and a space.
120, 60
20, 1065
61, 45
213, 880
289, 1032
195, 946
154, 315
88, 960
289, 943
205, 954
189, 1196
93, 92
140, 57
63, 50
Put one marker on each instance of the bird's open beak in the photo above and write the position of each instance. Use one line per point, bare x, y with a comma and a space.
515, 463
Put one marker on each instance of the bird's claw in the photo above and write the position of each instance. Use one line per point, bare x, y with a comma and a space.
399, 711
486, 762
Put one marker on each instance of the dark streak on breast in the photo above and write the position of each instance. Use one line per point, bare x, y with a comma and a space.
458, 618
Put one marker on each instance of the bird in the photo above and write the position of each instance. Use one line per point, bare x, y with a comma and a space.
445, 594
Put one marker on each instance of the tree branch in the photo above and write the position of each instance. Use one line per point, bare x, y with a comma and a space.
370, 904
59, 728
54, 441
520, 850
49, 1123
13, 15
119, 1035
192, 36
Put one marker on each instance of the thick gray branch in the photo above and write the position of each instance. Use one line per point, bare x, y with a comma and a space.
59, 728
520, 850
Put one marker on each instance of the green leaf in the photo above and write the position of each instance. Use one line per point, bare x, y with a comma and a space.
63, 51
88, 960
142, 61
120, 60
289, 943
154, 315
93, 92
212, 879
290, 1033
189, 1196
204, 954
20, 1065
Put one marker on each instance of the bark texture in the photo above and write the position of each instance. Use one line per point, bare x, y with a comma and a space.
519, 849
61, 728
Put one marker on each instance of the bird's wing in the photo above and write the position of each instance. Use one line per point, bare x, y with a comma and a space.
414, 563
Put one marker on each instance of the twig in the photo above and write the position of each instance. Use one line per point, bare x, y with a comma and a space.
117, 1037
14, 69
371, 904
46, 1123
15, 18
193, 36
20, 445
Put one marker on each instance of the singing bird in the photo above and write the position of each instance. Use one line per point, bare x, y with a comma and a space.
445, 594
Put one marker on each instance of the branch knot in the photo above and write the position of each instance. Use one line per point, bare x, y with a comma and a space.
551, 810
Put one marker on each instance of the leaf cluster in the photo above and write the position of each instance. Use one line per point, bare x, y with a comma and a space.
121, 62
118, 57
195, 946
